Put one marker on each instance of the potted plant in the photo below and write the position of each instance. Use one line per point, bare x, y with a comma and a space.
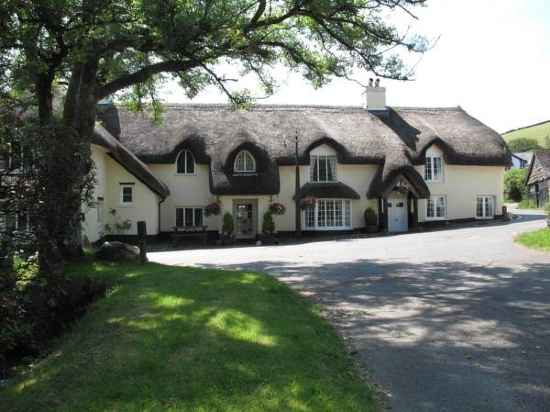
308, 202
213, 209
371, 220
227, 228
277, 208
268, 228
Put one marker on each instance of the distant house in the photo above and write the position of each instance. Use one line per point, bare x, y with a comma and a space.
521, 160
538, 178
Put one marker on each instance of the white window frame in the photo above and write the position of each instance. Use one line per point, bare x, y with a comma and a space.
315, 162
429, 165
194, 208
247, 157
185, 173
484, 207
315, 210
435, 198
122, 187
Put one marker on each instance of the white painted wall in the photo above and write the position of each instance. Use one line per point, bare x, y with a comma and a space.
91, 228
185, 191
461, 185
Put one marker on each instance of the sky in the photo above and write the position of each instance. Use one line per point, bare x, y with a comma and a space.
492, 59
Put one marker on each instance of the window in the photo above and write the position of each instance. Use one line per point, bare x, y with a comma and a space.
15, 222
100, 206
185, 163
245, 163
485, 207
329, 214
189, 216
323, 168
436, 207
433, 169
126, 193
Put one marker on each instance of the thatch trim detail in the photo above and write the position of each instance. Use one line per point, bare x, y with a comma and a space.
332, 190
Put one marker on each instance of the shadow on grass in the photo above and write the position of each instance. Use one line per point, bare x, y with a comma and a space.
190, 339
443, 335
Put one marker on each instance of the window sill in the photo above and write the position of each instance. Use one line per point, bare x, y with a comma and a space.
185, 174
327, 228
323, 181
126, 205
485, 218
435, 219
245, 174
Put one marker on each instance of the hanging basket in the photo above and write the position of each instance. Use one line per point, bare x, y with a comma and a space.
213, 209
308, 202
277, 208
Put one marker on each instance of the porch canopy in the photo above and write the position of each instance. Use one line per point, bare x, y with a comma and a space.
333, 190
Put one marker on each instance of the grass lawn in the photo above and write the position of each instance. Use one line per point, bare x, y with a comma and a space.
185, 339
539, 239
538, 132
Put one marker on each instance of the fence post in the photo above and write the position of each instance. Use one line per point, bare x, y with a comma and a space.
142, 236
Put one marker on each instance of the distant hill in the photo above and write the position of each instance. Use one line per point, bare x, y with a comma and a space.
536, 131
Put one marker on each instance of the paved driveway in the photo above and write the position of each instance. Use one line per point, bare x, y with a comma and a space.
454, 320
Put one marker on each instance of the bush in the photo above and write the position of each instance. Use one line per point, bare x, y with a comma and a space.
514, 184
34, 308
228, 225
268, 225
277, 208
547, 209
371, 218
523, 144
527, 204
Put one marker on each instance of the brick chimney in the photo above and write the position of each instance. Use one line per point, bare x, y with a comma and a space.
376, 96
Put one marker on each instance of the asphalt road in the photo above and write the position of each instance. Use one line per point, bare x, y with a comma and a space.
452, 320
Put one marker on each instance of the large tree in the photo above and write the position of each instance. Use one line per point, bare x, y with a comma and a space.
89, 50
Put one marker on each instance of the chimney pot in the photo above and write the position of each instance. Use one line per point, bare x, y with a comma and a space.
371, 82
377, 83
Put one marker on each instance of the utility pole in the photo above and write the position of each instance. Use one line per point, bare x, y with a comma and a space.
297, 189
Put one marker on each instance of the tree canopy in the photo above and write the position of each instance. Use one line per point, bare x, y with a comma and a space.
523, 144
83, 51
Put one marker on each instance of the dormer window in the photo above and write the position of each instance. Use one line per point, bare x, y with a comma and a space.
185, 163
323, 168
244, 162
433, 168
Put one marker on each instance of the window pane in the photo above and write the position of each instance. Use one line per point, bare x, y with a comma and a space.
190, 162
321, 218
314, 169
181, 163
188, 216
239, 163
348, 213
198, 217
430, 209
310, 217
479, 207
127, 194
489, 210
179, 217
322, 169
338, 213
441, 207
437, 169
428, 169
330, 213
331, 177
249, 162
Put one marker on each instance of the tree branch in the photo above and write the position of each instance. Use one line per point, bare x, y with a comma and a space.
142, 75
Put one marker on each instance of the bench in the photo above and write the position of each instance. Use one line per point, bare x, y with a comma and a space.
179, 233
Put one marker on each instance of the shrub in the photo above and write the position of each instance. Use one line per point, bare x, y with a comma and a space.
527, 204
268, 225
514, 184
228, 225
523, 144
371, 219
547, 209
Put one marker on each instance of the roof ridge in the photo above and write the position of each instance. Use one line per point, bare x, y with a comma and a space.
291, 107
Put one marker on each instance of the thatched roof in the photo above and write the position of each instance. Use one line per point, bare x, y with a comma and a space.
539, 169
336, 190
129, 161
395, 140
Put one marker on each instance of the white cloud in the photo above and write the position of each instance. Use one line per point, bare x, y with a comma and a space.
492, 59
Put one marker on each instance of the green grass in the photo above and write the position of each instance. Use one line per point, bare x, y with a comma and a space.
539, 239
185, 339
538, 132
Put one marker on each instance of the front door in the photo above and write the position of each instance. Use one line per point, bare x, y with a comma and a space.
245, 219
398, 219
